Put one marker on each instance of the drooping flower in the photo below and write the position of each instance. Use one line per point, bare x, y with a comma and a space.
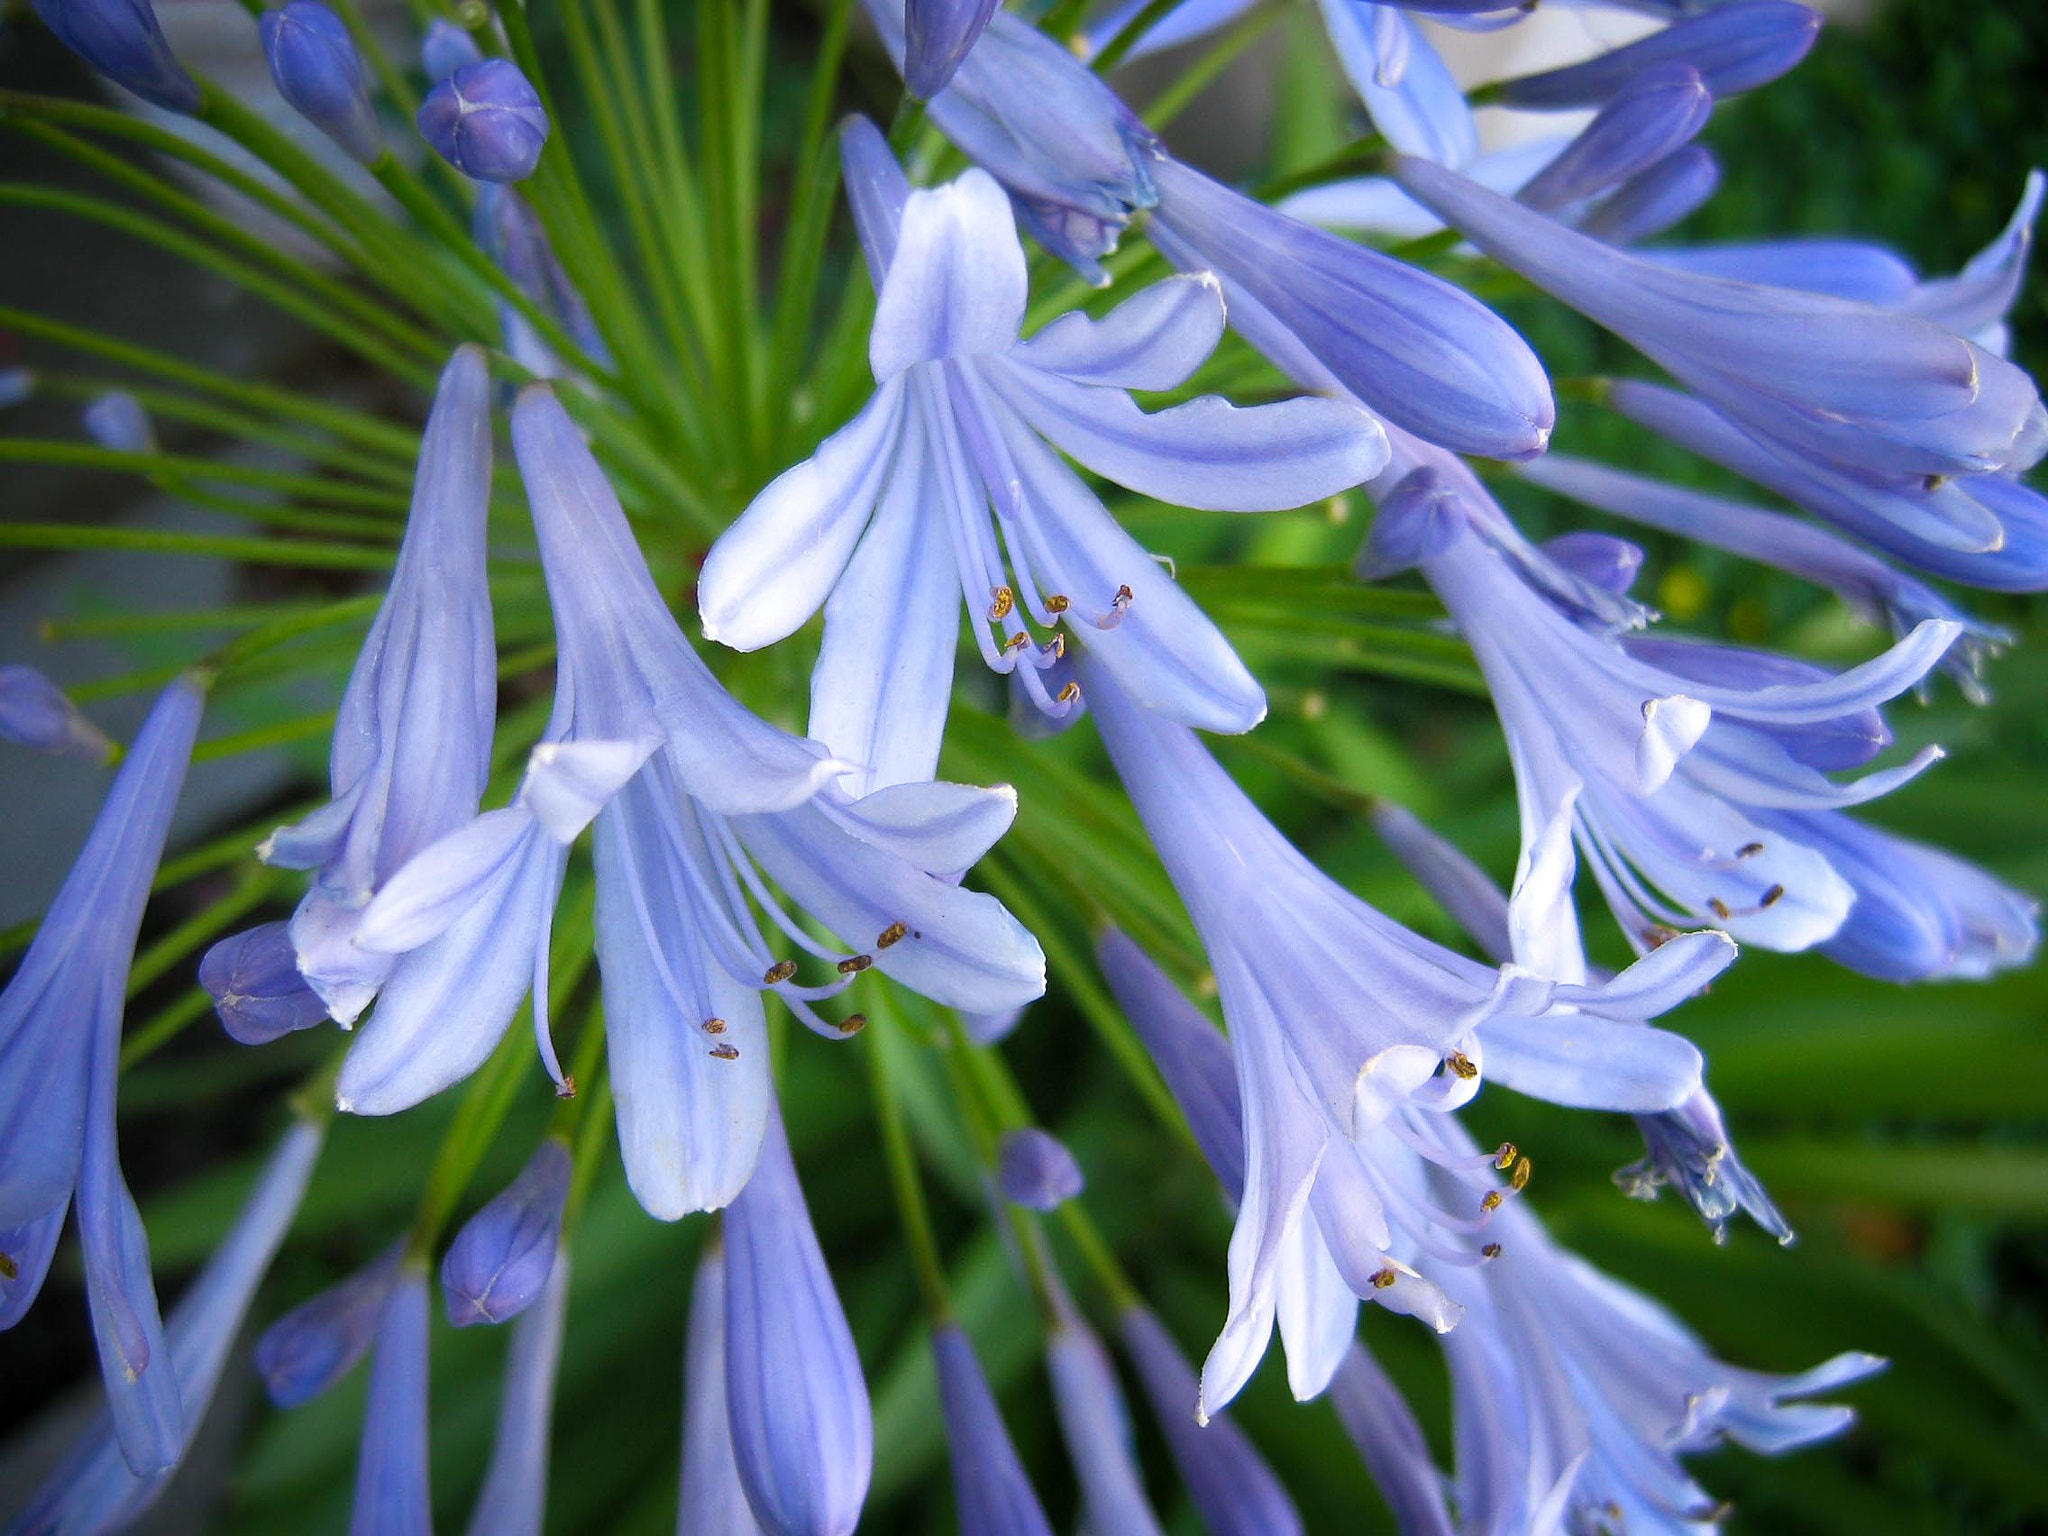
690, 794
1035, 1171
710, 1501
937, 36
392, 1497
93, 1488
412, 740
117, 420
34, 713
508, 232
60, 1039
499, 1263
314, 62
319, 1341
1096, 1427
486, 120
1382, 1428
1733, 47
952, 451
513, 1499
445, 48
121, 39
1887, 397
802, 1433
991, 1493
1655, 113
1656, 755
1338, 1017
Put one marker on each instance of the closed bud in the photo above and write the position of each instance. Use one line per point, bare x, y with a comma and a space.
992, 1493
35, 713
120, 39
1036, 1171
446, 48
313, 1346
1653, 115
938, 34
117, 420
317, 69
500, 1260
1733, 47
256, 986
487, 121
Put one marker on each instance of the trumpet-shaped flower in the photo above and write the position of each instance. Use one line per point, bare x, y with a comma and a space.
314, 62
694, 799
802, 1433
1338, 1018
93, 1488
392, 1497
1657, 756
60, 1039
1096, 1426
991, 1493
121, 39
1732, 47
412, 741
951, 452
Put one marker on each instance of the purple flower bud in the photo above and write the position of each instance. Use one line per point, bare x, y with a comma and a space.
117, 420
513, 1499
1097, 1429
120, 39
1653, 115
487, 121
392, 1494
991, 1492
937, 36
500, 1260
1382, 1426
1035, 1171
711, 1501
256, 986
1651, 201
1229, 1482
802, 1431
446, 48
16, 385
1734, 48
35, 713
1598, 559
313, 1346
317, 69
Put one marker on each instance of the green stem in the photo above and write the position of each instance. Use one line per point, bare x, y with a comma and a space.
283, 552
904, 1182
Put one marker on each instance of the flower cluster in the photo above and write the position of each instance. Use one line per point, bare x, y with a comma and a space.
967, 442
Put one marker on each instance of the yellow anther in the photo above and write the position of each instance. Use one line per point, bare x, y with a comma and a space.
1718, 907
726, 1052
1461, 1066
1383, 1278
891, 934
778, 973
1749, 850
1068, 694
1490, 1251
853, 965
1005, 600
714, 1026
1490, 1201
1520, 1177
1505, 1157
853, 1024
1056, 602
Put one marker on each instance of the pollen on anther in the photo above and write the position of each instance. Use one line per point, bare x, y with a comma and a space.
1383, 1278
1656, 936
1068, 694
1490, 1251
1771, 897
853, 1024
9, 1270
778, 973
1520, 1177
1017, 642
1504, 1159
1461, 1066
1718, 907
714, 1026
1005, 600
853, 965
1490, 1201
725, 1051
1057, 645
1056, 602
891, 934
566, 1088
1749, 850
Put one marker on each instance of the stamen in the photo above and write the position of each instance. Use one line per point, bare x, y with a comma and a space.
1383, 1279
892, 934
1056, 647
1055, 603
1520, 1177
1656, 936
566, 1088
1491, 1251
1504, 1159
1718, 907
853, 965
1490, 1201
1016, 642
1118, 607
1005, 600
853, 1024
1461, 1066
1749, 850
9, 1270
714, 1026
778, 973
726, 1051
1770, 898
1068, 694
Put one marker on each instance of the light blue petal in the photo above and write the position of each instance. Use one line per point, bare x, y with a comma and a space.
711, 1501
500, 1261
1418, 108
992, 1496
391, 1496
1153, 340
1097, 1431
940, 827
513, 1499
956, 285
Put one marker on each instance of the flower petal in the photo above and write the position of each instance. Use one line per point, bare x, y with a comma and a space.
1153, 340
956, 284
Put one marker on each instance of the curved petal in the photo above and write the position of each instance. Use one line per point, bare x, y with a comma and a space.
956, 283
1582, 1062
938, 827
1153, 340
427, 897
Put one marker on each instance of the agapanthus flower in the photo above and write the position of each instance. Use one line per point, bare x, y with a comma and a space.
412, 739
117, 420
1034, 1170
93, 1488
507, 230
694, 800
499, 1263
320, 1340
513, 1499
392, 1497
802, 1431
316, 67
938, 35
953, 448
1733, 47
486, 120
60, 1041
1887, 397
35, 713
121, 39
1096, 1428
1657, 755
257, 990
1338, 1018
1382, 1428
710, 1500
991, 1493
445, 48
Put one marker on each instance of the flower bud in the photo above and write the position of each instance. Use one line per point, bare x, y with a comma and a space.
487, 121
317, 69
16, 385
313, 1346
1035, 1171
256, 986
500, 1260
992, 1493
35, 713
1654, 115
446, 48
937, 35
120, 39
117, 420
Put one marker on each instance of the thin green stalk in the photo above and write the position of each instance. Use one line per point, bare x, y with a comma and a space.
154, 465
163, 1026
285, 552
904, 1183
171, 621
1130, 34
271, 515
678, 203
285, 732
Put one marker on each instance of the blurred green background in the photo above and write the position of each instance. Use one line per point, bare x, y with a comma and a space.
1900, 1129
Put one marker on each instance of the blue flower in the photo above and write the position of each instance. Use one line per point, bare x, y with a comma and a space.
121, 39
499, 1263
710, 1501
1654, 114
991, 1494
314, 61
1382, 1428
117, 420
1096, 1428
486, 120
392, 1497
894, 510
507, 231
1885, 396
257, 990
937, 36
319, 1341
802, 1434
1733, 47
1035, 1171
690, 793
412, 740
513, 1499
445, 48
60, 1040
93, 1488
1338, 1018
35, 713
1656, 755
